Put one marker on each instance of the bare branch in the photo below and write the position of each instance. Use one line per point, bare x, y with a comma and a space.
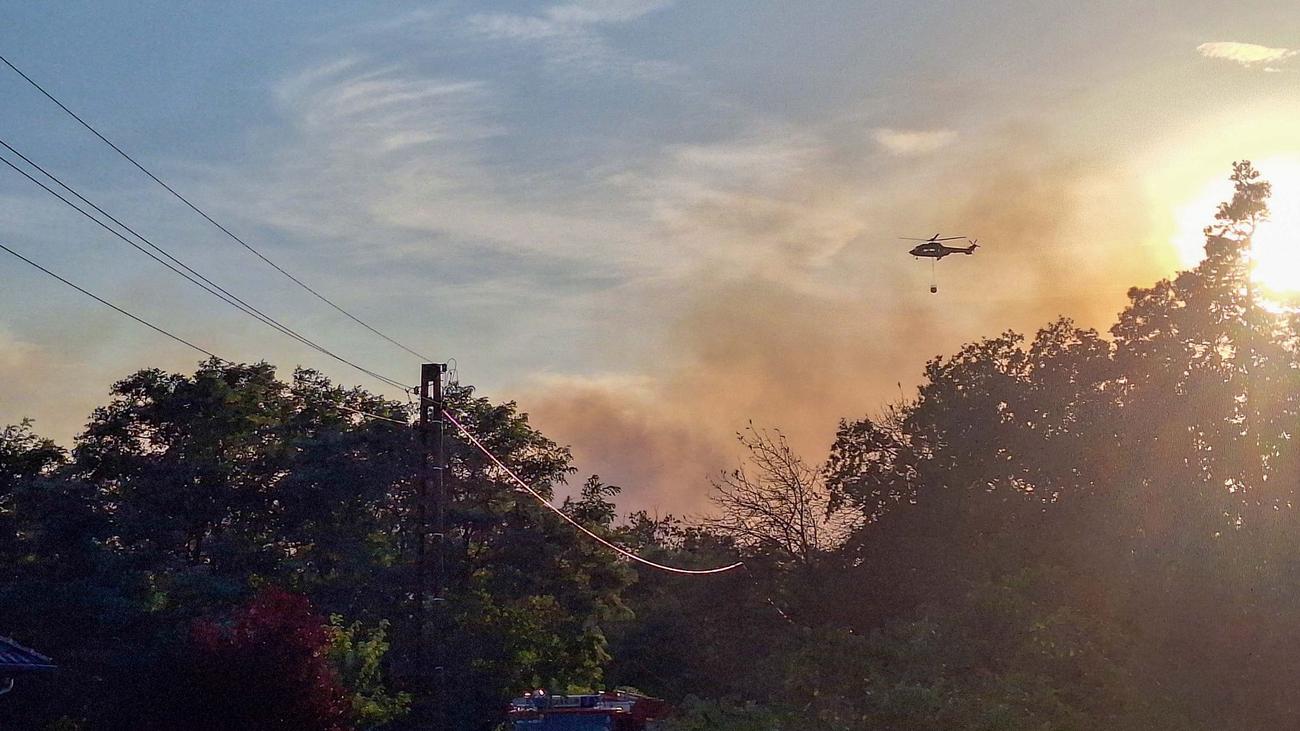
775, 501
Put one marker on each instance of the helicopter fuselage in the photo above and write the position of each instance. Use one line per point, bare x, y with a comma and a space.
933, 250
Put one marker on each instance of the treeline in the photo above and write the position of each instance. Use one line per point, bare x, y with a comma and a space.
1064, 532
210, 538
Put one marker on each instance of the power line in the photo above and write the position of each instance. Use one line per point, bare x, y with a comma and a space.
205, 216
198, 280
188, 273
223, 294
220, 292
528, 488
569, 519
106, 303
165, 333
368, 414
473, 439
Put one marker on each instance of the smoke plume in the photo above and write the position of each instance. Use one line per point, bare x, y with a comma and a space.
799, 336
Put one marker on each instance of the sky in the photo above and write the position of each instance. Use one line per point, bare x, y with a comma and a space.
649, 222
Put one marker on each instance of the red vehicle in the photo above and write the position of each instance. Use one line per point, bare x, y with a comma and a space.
610, 711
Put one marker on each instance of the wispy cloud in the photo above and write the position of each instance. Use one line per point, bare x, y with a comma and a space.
569, 35
386, 158
912, 142
604, 11
1250, 55
387, 108
395, 164
756, 203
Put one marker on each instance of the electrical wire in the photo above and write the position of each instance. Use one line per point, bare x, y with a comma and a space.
368, 414
202, 282
473, 439
207, 217
106, 303
188, 273
528, 488
165, 333
223, 294
569, 519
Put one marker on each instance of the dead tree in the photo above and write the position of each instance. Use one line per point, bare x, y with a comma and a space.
775, 501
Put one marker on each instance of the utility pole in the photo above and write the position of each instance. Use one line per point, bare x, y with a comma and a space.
431, 507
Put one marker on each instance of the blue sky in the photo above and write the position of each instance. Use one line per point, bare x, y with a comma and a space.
649, 221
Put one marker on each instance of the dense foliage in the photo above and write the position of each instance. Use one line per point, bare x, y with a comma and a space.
133, 558
1068, 531
264, 667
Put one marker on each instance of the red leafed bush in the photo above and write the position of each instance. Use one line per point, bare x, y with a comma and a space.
264, 667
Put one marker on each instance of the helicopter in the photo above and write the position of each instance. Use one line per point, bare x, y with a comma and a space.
934, 249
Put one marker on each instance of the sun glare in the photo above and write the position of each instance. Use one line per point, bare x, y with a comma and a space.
1276, 245
1276, 248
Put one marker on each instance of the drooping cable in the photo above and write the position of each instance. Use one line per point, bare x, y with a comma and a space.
179, 267
473, 439
218, 291
207, 217
165, 333
569, 519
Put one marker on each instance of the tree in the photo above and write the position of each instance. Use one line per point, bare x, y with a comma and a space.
264, 667
776, 502
26, 456
1062, 531
212, 469
188, 493
1147, 470
359, 655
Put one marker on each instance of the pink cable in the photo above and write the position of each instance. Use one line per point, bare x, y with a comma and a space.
614, 547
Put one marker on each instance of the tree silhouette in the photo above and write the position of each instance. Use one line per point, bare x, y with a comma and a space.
777, 502
264, 667
1068, 530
